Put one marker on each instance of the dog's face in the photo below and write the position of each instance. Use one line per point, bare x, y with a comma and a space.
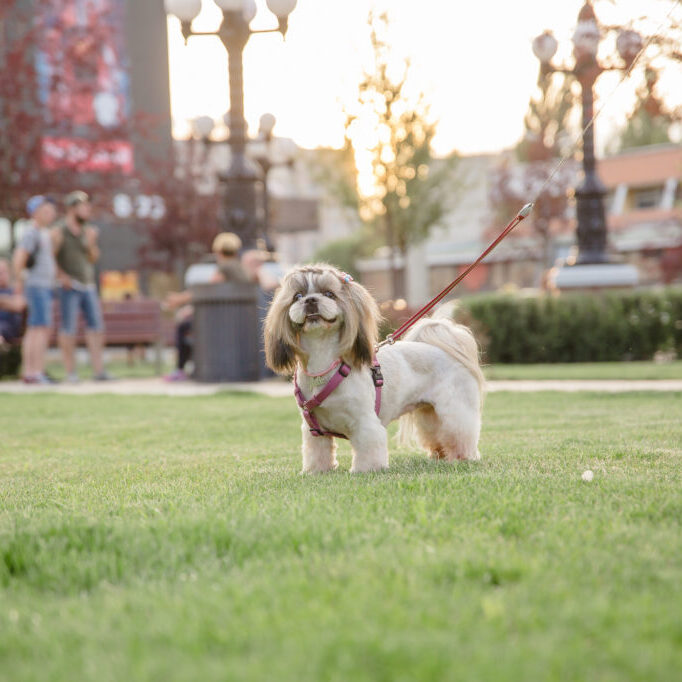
322, 301
316, 302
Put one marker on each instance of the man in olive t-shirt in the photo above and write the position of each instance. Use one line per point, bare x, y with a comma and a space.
76, 253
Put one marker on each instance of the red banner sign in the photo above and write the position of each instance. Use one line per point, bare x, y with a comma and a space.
104, 156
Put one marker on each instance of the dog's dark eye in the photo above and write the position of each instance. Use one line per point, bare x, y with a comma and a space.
298, 297
329, 294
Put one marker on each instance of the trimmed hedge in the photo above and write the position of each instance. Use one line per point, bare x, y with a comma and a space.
575, 327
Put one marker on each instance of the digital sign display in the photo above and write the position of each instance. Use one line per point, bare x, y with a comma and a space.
84, 86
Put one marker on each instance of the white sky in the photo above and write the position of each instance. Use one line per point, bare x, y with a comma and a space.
474, 60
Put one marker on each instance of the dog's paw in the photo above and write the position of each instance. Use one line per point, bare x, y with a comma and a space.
316, 469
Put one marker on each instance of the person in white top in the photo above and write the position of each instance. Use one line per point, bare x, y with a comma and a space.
35, 270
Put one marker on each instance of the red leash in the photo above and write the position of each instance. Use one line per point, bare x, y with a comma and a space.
392, 338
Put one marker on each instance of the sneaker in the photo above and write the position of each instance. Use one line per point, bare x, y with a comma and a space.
176, 375
102, 376
43, 379
72, 378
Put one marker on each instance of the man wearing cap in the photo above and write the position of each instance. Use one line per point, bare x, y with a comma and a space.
77, 252
35, 270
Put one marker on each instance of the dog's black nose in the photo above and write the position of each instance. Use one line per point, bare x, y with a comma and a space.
311, 305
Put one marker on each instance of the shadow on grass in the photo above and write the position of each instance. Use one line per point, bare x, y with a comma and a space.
418, 464
400, 465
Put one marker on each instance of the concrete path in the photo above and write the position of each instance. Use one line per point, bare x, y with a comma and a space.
279, 388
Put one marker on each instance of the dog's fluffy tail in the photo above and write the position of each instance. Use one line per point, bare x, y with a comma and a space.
455, 339
458, 342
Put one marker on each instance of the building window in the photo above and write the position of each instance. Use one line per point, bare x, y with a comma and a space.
647, 198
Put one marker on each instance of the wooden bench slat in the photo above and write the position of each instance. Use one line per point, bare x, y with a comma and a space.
125, 322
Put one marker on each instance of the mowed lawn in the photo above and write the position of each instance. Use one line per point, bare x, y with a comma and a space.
569, 370
588, 370
174, 539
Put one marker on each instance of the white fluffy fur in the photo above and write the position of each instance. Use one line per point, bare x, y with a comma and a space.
432, 378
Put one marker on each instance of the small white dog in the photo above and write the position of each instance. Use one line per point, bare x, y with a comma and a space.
323, 327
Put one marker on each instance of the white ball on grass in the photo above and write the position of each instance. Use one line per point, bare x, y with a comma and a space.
587, 475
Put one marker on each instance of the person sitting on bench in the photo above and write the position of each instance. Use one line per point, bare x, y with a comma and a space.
11, 307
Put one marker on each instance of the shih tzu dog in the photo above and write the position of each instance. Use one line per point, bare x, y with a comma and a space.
323, 328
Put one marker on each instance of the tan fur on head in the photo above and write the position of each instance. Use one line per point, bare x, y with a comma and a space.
357, 312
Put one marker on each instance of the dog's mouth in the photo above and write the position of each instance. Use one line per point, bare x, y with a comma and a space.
317, 318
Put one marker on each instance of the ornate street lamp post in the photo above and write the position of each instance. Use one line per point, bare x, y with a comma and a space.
262, 155
243, 175
591, 219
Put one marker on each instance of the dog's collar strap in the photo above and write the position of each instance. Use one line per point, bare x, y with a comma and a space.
315, 375
307, 406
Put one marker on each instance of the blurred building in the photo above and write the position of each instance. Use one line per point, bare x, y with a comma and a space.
454, 244
303, 215
645, 209
644, 214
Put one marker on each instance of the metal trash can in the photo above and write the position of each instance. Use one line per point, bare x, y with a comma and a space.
226, 332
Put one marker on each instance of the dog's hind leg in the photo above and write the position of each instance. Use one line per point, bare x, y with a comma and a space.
319, 452
427, 430
458, 430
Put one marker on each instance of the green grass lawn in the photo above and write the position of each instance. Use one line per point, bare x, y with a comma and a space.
118, 367
588, 370
576, 370
174, 539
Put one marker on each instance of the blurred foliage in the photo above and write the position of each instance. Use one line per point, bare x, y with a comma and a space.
575, 327
389, 130
190, 217
410, 193
547, 123
650, 121
344, 253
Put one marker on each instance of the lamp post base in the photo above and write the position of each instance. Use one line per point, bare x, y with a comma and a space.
594, 277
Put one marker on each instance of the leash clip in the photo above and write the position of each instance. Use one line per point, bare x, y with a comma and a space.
525, 211
388, 340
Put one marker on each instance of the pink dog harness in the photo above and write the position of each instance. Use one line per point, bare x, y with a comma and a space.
307, 406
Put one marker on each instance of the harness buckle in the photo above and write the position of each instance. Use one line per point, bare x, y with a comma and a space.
377, 376
344, 369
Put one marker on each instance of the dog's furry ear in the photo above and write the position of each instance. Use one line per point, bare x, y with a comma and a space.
362, 350
280, 357
280, 342
361, 326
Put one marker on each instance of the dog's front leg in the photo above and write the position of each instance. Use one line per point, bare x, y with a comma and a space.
319, 452
369, 441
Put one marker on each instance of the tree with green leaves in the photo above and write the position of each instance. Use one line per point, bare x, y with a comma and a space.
650, 121
404, 191
547, 124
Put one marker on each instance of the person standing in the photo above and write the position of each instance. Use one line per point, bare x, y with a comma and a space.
34, 268
76, 250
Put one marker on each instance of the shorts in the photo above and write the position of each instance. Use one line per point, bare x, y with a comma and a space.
73, 300
39, 300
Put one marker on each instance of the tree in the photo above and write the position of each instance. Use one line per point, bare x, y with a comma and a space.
650, 121
406, 193
190, 220
546, 124
43, 153
36, 110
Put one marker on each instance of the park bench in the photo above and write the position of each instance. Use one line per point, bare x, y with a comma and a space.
126, 323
